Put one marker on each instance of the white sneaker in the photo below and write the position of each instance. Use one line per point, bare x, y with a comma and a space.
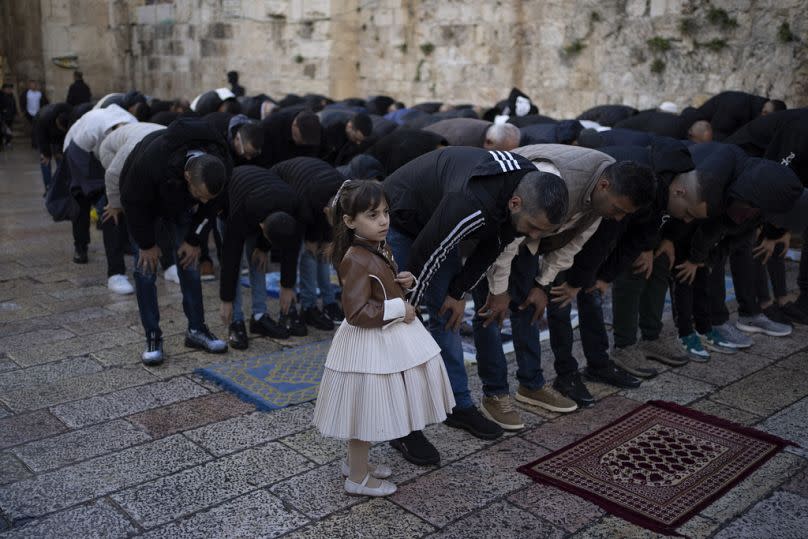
171, 274
361, 489
381, 471
120, 285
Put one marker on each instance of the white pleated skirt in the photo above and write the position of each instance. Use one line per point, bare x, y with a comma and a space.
381, 407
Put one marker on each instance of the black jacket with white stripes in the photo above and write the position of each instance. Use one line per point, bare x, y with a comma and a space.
450, 195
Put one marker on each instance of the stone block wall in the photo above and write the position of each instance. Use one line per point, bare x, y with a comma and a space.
566, 54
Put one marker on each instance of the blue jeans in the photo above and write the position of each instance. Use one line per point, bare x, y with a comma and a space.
491, 363
315, 272
258, 282
451, 347
190, 284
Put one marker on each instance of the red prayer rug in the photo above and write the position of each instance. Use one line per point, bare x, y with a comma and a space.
658, 465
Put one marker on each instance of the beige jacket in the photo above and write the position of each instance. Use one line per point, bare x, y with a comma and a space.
580, 168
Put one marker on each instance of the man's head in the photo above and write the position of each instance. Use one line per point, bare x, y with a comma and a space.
267, 108
503, 137
539, 204
205, 175
33, 85
230, 106
77, 75
685, 197
700, 131
280, 229
232, 77
140, 110
63, 122
180, 105
359, 128
248, 140
623, 188
772, 105
306, 129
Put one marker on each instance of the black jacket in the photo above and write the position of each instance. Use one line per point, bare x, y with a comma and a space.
153, 183
657, 122
78, 93
252, 194
608, 115
402, 146
314, 182
50, 138
278, 143
450, 195
727, 112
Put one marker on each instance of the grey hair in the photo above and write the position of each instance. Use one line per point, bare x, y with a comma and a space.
503, 136
544, 192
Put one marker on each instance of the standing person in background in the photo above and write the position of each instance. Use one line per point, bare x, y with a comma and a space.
232, 79
31, 100
8, 112
78, 92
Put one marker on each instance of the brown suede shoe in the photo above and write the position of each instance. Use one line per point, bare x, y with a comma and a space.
547, 398
499, 409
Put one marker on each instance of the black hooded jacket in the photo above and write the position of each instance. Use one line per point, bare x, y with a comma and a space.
450, 195
608, 115
727, 112
49, 138
403, 145
153, 182
658, 122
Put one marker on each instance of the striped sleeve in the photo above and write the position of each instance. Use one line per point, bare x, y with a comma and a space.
455, 219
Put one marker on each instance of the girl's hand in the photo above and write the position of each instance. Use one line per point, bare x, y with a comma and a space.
409, 314
405, 279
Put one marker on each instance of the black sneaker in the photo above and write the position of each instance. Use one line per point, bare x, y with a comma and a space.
471, 420
417, 449
572, 387
267, 327
775, 313
333, 311
80, 255
293, 323
238, 336
613, 376
203, 339
796, 311
315, 318
153, 355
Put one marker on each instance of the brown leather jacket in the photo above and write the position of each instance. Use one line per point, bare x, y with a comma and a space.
371, 297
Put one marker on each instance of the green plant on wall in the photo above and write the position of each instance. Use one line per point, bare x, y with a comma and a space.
714, 45
719, 17
687, 26
427, 48
658, 45
299, 59
657, 66
418, 70
595, 16
784, 33
403, 48
574, 48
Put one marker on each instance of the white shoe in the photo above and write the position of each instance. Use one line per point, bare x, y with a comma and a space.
361, 489
120, 285
171, 274
382, 471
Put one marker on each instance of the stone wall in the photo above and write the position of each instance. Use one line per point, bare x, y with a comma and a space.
568, 55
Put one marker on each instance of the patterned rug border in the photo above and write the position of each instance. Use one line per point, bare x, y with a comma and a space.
246, 395
628, 514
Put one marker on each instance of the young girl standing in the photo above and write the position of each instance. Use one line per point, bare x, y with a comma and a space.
384, 376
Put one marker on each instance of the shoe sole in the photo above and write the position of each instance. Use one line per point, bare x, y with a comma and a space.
481, 435
197, 346
269, 336
755, 329
207, 278
505, 426
152, 363
398, 446
544, 405
666, 360
697, 358
594, 378
642, 372
719, 349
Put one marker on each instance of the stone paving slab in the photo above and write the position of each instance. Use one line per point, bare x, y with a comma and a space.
127, 401
470, 483
670, 386
22, 428
168, 498
37, 354
792, 424
47, 374
11, 468
501, 520
723, 369
783, 515
78, 445
255, 515
735, 415
75, 388
798, 483
317, 492
241, 432
612, 527
98, 520
189, 414
6, 364
764, 392
41, 336
777, 347
98, 477
564, 510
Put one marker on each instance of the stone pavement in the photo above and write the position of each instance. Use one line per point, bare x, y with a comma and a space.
92, 444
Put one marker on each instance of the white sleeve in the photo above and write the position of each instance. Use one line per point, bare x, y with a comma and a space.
500, 271
561, 259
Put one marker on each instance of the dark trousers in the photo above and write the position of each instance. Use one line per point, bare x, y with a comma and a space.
638, 303
115, 236
691, 303
775, 272
591, 326
742, 267
203, 245
802, 275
